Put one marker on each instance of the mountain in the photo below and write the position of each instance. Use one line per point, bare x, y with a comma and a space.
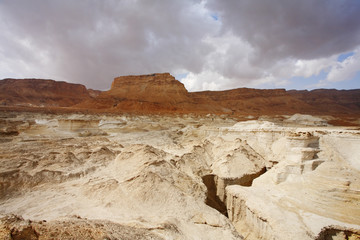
153, 93
158, 87
162, 93
256, 101
331, 101
41, 93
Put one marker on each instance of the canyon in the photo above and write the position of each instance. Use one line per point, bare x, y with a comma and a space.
149, 160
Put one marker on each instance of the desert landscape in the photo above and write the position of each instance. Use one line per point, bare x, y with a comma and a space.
180, 120
149, 160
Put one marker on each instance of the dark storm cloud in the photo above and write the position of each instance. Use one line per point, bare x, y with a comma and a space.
305, 29
220, 44
93, 41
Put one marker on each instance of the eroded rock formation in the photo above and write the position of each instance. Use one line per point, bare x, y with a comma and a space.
201, 174
172, 177
153, 93
158, 87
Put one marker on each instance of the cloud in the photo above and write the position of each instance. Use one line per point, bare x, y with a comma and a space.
308, 68
304, 29
346, 69
267, 43
215, 44
94, 41
208, 80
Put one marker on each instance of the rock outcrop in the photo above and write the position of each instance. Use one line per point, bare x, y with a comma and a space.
15, 227
132, 176
152, 93
41, 93
311, 184
162, 93
102, 186
158, 87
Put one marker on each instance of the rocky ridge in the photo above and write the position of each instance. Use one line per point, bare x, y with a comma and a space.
41, 93
162, 93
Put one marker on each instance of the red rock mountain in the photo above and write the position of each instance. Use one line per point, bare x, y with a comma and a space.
256, 101
158, 87
41, 93
330, 101
153, 93
162, 93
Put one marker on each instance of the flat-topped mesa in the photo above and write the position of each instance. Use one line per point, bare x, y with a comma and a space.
156, 78
46, 87
41, 92
158, 87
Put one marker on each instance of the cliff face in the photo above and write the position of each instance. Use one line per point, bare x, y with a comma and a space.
158, 87
162, 93
153, 93
40, 92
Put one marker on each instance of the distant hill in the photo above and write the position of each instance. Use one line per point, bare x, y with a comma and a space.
162, 93
41, 93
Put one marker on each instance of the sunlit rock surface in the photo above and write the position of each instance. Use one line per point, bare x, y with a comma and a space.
181, 177
313, 184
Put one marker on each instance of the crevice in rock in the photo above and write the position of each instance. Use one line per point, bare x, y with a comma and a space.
247, 180
24, 233
334, 232
216, 188
212, 199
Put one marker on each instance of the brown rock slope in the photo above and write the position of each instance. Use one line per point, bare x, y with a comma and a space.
256, 101
41, 93
279, 101
331, 101
153, 93
158, 87
162, 93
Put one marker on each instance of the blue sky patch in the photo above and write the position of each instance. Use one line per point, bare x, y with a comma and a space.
181, 76
214, 16
344, 56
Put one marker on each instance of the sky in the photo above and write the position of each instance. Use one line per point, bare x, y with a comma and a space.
205, 44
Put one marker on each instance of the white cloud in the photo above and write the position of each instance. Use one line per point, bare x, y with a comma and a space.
206, 80
346, 69
308, 68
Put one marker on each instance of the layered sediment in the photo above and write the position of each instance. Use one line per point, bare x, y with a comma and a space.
41, 93
172, 177
162, 93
